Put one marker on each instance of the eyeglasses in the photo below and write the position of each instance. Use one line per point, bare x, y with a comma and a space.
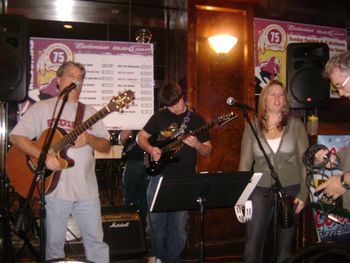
341, 86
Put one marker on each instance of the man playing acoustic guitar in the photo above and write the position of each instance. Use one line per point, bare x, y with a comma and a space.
76, 192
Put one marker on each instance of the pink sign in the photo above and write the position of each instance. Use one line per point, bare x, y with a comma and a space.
272, 37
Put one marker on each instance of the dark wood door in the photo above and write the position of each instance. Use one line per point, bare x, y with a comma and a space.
212, 78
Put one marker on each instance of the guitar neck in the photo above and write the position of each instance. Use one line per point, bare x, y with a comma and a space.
221, 120
179, 140
69, 138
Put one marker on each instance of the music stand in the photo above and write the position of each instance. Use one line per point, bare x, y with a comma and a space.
199, 191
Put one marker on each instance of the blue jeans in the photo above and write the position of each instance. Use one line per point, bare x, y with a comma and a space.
135, 185
87, 214
167, 230
256, 229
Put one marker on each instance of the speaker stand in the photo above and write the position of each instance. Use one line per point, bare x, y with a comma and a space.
4, 193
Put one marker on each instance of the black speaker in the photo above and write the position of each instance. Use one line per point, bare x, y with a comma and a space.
123, 232
14, 58
306, 86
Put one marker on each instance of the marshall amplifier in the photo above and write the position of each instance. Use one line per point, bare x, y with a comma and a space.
123, 232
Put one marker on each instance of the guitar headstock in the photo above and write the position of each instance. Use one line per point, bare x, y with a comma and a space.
223, 119
123, 100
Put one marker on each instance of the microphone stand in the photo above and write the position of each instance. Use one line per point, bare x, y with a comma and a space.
276, 187
4, 191
39, 175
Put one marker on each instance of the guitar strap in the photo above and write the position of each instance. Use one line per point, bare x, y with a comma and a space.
79, 115
184, 122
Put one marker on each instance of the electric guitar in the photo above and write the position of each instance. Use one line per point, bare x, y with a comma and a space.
20, 167
170, 147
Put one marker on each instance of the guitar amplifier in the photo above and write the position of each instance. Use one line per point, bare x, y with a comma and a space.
123, 232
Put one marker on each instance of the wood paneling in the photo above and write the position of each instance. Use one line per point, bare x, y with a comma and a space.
211, 79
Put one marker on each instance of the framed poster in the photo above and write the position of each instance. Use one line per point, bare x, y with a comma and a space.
111, 67
271, 38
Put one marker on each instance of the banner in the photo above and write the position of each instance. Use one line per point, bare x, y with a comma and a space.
111, 67
270, 44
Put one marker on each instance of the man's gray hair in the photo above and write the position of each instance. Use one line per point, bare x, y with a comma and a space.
340, 61
68, 64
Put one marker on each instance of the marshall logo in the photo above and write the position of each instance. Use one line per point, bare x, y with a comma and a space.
119, 225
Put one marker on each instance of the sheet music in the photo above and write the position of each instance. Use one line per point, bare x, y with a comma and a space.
249, 189
156, 193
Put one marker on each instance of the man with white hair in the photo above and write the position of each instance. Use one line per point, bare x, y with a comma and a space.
337, 70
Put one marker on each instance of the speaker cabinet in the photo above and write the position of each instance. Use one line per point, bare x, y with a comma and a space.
14, 58
123, 232
306, 86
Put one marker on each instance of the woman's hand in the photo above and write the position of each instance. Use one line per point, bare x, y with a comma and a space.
298, 205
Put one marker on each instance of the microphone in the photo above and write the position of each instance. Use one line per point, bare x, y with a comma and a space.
232, 102
75, 84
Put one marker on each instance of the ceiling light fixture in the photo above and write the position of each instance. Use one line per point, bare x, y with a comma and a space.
67, 26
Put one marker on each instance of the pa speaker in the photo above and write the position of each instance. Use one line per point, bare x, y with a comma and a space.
14, 58
306, 86
123, 232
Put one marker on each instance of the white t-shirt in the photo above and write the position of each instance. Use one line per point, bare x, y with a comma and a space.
79, 181
274, 143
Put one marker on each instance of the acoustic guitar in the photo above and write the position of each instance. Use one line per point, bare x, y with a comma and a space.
21, 168
173, 145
